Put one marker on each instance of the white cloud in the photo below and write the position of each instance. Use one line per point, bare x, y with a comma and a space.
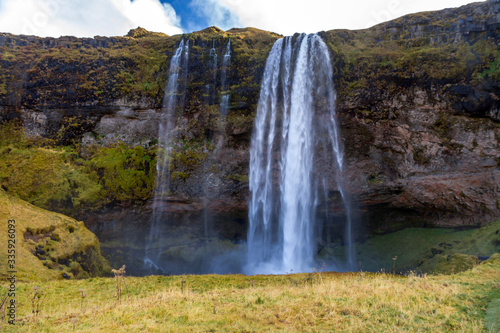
215, 13
86, 18
288, 17
116, 17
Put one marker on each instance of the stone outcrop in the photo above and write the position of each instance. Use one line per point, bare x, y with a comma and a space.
418, 102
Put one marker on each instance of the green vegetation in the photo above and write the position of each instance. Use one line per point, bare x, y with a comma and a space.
49, 246
428, 250
374, 180
58, 178
58, 174
349, 302
124, 173
49, 177
187, 156
239, 178
73, 72
376, 59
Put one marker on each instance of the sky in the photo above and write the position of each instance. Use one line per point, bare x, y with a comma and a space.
88, 18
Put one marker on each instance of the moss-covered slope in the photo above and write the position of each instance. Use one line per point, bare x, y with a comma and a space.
48, 245
451, 55
70, 179
443, 251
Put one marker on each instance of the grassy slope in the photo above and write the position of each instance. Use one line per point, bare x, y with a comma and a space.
353, 302
424, 249
69, 247
429, 250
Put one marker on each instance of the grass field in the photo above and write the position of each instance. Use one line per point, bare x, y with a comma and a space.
315, 302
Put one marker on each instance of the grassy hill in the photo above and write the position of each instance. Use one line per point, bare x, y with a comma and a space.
49, 246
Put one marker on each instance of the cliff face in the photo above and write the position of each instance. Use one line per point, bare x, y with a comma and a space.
417, 98
420, 114
418, 101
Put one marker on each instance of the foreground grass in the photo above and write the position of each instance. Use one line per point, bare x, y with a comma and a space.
349, 302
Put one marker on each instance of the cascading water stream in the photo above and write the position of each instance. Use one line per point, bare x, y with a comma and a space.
209, 188
172, 100
295, 126
226, 61
212, 86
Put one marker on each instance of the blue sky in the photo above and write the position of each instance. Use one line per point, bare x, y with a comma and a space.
190, 19
198, 14
88, 18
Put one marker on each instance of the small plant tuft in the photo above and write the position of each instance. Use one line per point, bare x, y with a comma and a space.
83, 297
183, 283
36, 300
394, 264
4, 300
120, 278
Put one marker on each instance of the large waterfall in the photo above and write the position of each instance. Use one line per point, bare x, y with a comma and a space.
295, 134
172, 100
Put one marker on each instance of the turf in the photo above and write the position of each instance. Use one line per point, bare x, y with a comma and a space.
315, 302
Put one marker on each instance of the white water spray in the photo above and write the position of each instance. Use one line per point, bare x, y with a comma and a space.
226, 61
295, 125
172, 100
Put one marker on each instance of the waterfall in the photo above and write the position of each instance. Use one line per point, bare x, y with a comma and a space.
172, 100
213, 71
226, 61
295, 134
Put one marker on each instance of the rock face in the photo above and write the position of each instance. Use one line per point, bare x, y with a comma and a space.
418, 101
422, 136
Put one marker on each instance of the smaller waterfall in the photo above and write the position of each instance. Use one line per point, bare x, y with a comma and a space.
213, 71
213, 59
226, 61
172, 100
210, 187
211, 179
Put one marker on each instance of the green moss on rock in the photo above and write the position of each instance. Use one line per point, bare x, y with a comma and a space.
51, 178
125, 173
426, 249
59, 179
449, 264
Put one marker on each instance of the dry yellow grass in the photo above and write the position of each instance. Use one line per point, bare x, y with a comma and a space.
319, 302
